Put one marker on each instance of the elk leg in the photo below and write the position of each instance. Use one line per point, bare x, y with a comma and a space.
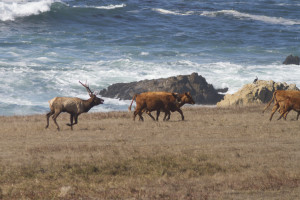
151, 116
281, 115
180, 111
76, 119
157, 114
137, 113
54, 119
71, 120
149, 113
275, 107
140, 115
167, 113
134, 115
165, 116
48, 116
285, 115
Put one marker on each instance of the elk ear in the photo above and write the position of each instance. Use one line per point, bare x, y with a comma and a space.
188, 94
177, 97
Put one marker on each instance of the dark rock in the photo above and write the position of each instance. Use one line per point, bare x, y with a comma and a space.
291, 60
201, 91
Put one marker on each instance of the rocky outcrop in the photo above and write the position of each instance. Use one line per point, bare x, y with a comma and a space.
291, 60
255, 93
201, 91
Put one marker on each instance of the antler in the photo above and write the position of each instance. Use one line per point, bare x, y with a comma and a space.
87, 88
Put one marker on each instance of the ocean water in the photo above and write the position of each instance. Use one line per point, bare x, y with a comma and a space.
47, 46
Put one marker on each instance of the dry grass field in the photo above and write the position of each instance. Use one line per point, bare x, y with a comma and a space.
216, 153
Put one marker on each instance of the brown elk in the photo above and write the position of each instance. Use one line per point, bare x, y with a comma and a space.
175, 106
72, 105
279, 97
184, 98
290, 103
153, 101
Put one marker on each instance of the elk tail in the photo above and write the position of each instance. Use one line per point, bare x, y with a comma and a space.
273, 97
134, 96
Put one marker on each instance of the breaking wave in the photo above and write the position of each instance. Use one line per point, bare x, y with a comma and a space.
9, 11
169, 12
233, 13
108, 7
246, 16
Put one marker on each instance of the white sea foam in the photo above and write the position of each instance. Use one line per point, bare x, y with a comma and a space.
220, 74
234, 13
246, 16
14, 54
110, 7
43, 59
169, 12
288, 4
144, 53
37, 87
10, 10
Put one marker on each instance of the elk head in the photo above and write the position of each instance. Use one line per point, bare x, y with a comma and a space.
96, 100
187, 98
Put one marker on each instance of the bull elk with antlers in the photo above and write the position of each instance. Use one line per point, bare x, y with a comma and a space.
72, 105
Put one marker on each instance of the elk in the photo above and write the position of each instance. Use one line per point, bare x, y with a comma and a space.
279, 97
184, 98
72, 105
181, 99
151, 101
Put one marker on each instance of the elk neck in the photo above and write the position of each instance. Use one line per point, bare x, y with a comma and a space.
182, 100
88, 104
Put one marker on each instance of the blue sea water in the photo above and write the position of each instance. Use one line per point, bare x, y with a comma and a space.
47, 46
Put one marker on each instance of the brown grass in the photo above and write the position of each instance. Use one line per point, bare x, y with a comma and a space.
216, 153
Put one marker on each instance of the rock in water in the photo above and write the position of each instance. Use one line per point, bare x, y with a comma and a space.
201, 91
291, 60
258, 93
